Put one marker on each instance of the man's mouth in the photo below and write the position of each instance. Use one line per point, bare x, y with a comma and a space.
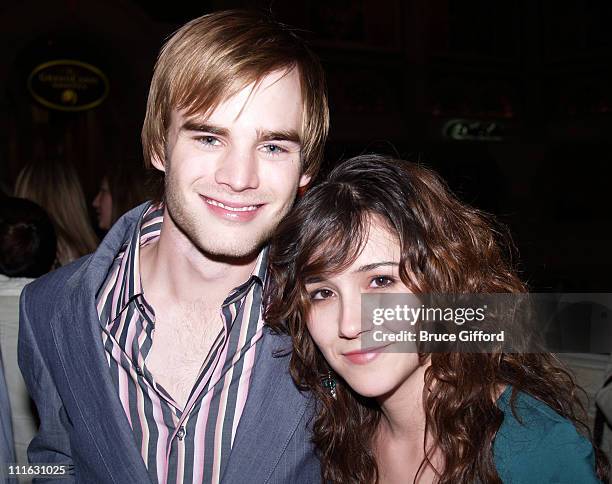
233, 211
231, 208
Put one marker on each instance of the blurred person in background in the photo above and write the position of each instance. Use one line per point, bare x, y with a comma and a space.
5, 190
55, 186
27, 250
27, 239
123, 187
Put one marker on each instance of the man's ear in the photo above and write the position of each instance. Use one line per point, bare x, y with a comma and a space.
303, 185
158, 163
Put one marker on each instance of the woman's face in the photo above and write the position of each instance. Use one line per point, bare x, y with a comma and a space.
335, 318
103, 203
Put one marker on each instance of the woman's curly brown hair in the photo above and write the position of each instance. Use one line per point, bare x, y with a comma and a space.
446, 247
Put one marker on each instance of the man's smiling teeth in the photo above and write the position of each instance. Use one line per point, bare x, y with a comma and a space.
250, 208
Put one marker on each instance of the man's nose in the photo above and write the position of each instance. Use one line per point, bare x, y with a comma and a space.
238, 170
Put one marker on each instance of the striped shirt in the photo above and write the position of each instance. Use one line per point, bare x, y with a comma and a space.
190, 444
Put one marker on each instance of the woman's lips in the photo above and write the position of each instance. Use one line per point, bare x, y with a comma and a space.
364, 356
231, 210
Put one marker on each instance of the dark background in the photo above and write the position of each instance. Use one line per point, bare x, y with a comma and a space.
530, 80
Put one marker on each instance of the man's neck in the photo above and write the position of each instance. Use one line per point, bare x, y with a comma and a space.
174, 270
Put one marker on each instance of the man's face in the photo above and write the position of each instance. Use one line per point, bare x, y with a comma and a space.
233, 175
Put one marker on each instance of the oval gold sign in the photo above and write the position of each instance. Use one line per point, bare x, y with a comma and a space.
68, 85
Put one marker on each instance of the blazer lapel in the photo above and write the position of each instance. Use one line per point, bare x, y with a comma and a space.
271, 415
77, 335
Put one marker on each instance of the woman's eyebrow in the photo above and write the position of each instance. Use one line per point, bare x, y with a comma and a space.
365, 268
375, 265
314, 279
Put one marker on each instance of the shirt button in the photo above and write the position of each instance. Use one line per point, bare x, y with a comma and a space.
139, 371
181, 433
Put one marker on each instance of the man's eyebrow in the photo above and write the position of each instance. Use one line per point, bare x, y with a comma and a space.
376, 265
191, 125
287, 135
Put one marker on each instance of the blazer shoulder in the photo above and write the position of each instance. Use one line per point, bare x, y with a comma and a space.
43, 293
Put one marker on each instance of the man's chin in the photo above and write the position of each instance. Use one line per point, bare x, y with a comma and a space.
227, 252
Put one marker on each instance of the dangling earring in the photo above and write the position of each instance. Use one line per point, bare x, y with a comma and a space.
329, 384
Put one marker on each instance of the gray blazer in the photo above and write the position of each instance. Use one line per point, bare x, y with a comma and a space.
7, 453
82, 421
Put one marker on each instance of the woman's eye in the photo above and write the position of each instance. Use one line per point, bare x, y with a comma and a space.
381, 281
321, 294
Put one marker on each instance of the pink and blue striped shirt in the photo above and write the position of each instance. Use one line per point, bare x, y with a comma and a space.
190, 444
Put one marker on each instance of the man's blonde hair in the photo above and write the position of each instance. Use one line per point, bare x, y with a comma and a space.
213, 57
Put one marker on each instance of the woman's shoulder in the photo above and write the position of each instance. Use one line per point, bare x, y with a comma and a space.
536, 444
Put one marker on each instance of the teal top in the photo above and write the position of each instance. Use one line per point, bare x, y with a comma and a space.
544, 448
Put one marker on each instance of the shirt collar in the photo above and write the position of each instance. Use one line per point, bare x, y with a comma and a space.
258, 276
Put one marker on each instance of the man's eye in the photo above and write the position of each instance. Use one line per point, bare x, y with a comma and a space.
321, 294
274, 149
381, 281
209, 140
